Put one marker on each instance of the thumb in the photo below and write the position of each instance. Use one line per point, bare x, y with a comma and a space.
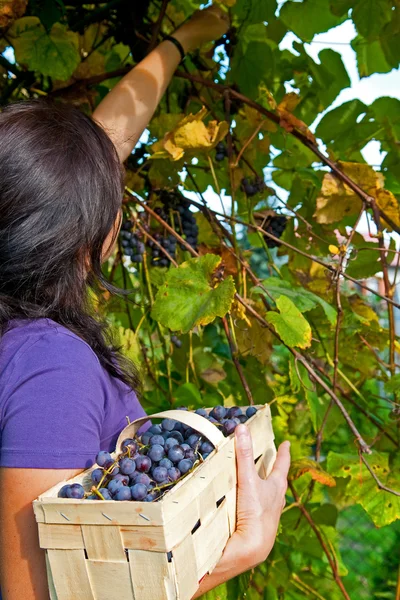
246, 471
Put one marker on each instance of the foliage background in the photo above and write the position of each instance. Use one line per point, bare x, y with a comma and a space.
309, 331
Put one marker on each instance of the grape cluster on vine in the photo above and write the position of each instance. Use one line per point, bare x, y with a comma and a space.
221, 151
176, 211
275, 225
150, 464
132, 243
252, 187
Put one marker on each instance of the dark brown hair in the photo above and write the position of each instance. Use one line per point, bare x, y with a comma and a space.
61, 185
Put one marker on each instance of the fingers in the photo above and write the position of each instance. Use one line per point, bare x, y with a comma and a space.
282, 461
246, 470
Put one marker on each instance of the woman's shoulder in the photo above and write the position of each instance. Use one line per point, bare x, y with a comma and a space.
23, 337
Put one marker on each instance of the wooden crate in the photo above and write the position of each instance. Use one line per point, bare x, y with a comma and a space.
108, 550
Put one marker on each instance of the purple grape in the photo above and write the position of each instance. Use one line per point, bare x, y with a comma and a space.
143, 464
114, 486
139, 491
234, 411
105, 493
155, 429
206, 448
186, 447
250, 411
124, 479
177, 435
165, 462
185, 465
242, 418
170, 443
201, 411
190, 453
123, 493
168, 424
103, 457
151, 496
75, 491
218, 412
157, 439
205, 455
127, 466
174, 473
130, 445
194, 440
141, 478
176, 454
145, 439
62, 493
160, 474
156, 453
229, 427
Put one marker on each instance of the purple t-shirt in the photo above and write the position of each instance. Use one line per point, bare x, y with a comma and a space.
58, 405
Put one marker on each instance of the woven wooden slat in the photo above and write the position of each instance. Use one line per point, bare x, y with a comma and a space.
185, 564
61, 537
69, 574
110, 580
103, 543
152, 576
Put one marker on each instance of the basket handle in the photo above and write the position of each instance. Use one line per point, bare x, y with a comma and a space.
197, 422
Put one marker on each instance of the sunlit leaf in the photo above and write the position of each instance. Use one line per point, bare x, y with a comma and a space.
55, 53
193, 295
290, 323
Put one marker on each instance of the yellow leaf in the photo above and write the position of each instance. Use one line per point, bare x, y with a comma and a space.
289, 102
390, 206
363, 310
302, 466
335, 201
333, 249
239, 312
191, 133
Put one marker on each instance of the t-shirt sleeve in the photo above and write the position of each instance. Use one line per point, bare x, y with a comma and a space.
54, 408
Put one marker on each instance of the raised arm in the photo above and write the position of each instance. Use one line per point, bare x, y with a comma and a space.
127, 110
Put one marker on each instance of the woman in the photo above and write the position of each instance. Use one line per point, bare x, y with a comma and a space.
64, 389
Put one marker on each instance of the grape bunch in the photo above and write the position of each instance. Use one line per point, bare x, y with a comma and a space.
158, 258
252, 187
276, 226
176, 210
153, 462
131, 243
221, 152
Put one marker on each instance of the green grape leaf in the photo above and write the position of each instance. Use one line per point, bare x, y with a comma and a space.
383, 507
370, 16
302, 298
251, 66
193, 295
55, 54
309, 17
254, 11
370, 57
290, 323
340, 121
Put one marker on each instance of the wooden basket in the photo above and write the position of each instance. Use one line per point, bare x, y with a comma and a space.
108, 550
